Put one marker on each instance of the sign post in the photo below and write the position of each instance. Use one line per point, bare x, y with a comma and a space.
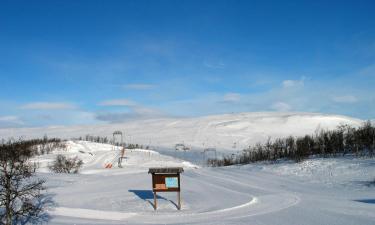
166, 180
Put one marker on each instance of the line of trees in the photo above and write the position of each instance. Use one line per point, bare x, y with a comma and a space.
97, 139
39, 146
106, 140
324, 143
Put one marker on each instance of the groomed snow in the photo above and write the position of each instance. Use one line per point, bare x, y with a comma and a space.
316, 191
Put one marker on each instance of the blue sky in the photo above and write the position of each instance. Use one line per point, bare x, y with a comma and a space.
85, 62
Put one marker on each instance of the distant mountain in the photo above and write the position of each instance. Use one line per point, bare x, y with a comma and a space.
227, 131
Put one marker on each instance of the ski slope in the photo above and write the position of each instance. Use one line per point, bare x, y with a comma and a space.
224, 132
316, 191
96, 156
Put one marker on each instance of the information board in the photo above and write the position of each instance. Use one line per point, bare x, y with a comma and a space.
171, 182
166, 179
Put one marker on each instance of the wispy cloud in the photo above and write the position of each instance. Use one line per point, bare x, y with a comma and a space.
133, 110
48, 106
231, 98
281, 106
214, 65
139, 87
345, 99
293, 83
118, 102
10, 121
56, 118
134, 113
368, 71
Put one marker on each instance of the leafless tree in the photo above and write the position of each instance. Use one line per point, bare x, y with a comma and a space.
20, 190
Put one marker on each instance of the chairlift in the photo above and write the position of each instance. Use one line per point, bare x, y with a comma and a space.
117, 141
179, 147
117, 138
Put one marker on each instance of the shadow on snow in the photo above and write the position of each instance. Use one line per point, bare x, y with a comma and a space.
148, 196
368, 201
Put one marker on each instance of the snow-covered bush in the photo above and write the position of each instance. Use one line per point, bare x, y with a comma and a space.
62, 164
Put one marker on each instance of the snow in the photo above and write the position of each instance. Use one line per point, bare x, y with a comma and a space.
91, 214
343, 171
95, 156
316, 191
225, 132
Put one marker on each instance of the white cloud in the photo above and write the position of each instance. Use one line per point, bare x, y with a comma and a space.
57, 118
136, 112
293, 83
214, 65
231, 97
48, 106
139, 87
345, 99
118, 102
146, 111
133, 111
10, 121
281, 106
368, 71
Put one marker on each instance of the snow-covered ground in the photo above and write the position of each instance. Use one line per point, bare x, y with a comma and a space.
96, 156
316, 191
225, 132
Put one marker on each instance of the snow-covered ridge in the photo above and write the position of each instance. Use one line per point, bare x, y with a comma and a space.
228, 131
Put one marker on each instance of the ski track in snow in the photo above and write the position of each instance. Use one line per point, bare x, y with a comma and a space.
90, 214
256, 206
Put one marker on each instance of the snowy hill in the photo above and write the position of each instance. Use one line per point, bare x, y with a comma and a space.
95, 156
228, 131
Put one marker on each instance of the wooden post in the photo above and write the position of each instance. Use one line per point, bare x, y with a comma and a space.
153, 186
179, 192
179, 200
155, 201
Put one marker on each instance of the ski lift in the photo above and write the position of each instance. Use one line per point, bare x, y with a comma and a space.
117, 138
121, 156
179, 147
117, 141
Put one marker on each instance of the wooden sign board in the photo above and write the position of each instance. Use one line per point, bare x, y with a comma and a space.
166, 180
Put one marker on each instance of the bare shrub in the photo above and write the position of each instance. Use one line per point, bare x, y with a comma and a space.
62, 164
20, 190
